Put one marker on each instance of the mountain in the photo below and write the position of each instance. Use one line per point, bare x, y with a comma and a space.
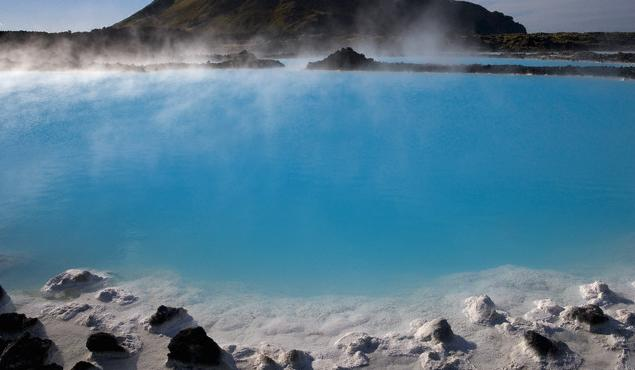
244, 19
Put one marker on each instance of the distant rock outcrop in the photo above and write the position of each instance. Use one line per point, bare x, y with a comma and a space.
344, 59
324, 19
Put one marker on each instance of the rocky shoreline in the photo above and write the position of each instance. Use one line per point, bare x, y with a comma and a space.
84, 320
241, 60
347, 59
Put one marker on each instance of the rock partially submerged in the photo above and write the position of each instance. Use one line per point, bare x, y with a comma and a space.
116, 295
350, 60
482, 310
192, 347
28, 353
345, 59
599, 293
72, 283
169, 320
245, 59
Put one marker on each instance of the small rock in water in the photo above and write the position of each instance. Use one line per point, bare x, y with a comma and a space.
589, 314
116, 295
192, 347
482, 310
83, 365
165, 314
438, 330
72, 283
543, 346
599, 293
343, 59
16, 323
104, 343
169, 321
27, 353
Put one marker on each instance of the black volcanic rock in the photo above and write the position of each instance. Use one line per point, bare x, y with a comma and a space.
165, 314
543, 346
442, 331
345, 59
3, 294
14, 323
590, 314
193, 347
103, 342
83, 365
27, 353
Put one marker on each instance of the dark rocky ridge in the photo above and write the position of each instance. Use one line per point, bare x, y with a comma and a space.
348, 59
245, 19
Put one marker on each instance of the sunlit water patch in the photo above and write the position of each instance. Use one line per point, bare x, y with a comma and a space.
301, 182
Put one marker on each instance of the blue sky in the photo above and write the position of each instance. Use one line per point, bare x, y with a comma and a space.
536, 15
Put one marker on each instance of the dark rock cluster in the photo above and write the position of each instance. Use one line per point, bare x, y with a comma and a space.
348, 59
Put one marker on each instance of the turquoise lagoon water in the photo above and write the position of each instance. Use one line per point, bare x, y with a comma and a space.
304, 182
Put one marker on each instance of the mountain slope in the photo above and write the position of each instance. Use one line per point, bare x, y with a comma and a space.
328, 18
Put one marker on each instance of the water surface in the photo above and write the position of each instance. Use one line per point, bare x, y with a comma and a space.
305, 182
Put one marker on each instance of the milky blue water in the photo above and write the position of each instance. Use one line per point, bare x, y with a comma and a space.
313, 182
